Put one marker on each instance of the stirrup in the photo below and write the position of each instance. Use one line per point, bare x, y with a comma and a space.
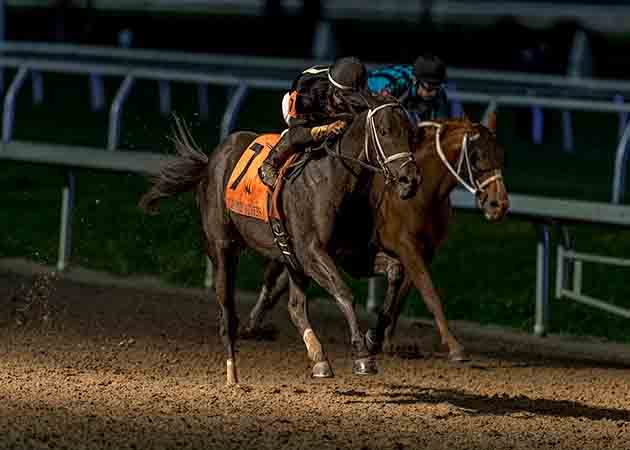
268, 175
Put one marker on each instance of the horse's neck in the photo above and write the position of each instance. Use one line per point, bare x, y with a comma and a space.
352, 142
440, 180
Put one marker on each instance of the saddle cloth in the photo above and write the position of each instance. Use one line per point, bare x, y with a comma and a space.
246, 194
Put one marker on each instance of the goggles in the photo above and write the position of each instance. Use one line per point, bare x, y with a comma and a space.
429, 86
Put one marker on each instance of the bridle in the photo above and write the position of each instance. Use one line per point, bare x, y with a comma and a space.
472, 185
371, 134
381, 158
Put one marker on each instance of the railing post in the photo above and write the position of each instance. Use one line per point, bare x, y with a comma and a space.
97, 92
560, 270
623, 115
542, 282
538, 124
567, 132
8, 114
3, 35
621, 162
227, 125
38, 87
116, 111
65, 230
228, 122
323, 47
491, 108
568, 245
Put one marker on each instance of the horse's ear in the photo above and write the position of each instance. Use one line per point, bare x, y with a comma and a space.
492, 122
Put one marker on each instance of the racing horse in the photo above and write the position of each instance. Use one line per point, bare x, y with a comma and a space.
407, 234
376, 144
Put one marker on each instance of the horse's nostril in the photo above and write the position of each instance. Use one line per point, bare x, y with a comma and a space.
494, 204
403, 180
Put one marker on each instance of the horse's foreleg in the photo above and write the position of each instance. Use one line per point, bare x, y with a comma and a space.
225, 259
275, 284
324, 271
419, 272
298, 311
397, 288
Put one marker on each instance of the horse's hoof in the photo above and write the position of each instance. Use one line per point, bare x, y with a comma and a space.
365, 366
322, 369
372, 342
458, 356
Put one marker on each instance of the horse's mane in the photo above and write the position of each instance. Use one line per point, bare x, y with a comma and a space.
425, 135
455, 122
450, 124
357, 103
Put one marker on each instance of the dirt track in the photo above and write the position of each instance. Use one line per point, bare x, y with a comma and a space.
95, 367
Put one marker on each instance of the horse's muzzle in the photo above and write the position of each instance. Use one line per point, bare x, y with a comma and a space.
494, 206
407, 186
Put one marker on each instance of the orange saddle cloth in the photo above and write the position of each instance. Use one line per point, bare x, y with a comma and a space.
246, 194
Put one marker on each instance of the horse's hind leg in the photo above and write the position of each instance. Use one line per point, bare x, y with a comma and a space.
324, 271
225, 259
298, 311
275, 283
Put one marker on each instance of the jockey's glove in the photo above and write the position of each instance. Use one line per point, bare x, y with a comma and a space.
322, 132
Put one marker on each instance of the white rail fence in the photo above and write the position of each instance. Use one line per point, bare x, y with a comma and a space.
112, 159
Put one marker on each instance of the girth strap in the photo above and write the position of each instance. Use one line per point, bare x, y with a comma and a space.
276, 219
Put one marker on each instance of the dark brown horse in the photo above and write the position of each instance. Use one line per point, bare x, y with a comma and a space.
315, 205
407, 234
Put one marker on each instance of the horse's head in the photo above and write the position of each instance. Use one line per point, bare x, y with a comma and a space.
486, 161
387, 144
474, 158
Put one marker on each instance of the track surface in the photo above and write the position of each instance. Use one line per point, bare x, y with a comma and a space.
89, 367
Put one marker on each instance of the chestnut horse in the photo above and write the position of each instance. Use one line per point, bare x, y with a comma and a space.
407, 234
377, 141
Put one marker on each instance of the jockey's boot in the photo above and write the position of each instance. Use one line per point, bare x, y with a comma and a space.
268, 171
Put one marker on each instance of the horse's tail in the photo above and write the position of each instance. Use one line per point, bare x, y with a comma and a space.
181, 175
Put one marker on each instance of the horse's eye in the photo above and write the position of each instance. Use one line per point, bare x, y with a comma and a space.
383, 132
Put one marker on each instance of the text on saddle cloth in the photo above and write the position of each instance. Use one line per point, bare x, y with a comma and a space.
246, 194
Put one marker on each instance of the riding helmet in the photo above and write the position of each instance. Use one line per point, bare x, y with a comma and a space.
348, 74
429, 68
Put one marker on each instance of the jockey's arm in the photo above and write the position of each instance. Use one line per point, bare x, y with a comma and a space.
299, 131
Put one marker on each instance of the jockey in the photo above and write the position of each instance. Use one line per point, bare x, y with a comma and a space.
419, 87
317, 94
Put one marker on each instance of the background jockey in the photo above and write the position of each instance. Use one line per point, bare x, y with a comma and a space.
420, 88
317, 94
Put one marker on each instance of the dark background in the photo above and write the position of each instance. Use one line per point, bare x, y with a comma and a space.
504, 45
